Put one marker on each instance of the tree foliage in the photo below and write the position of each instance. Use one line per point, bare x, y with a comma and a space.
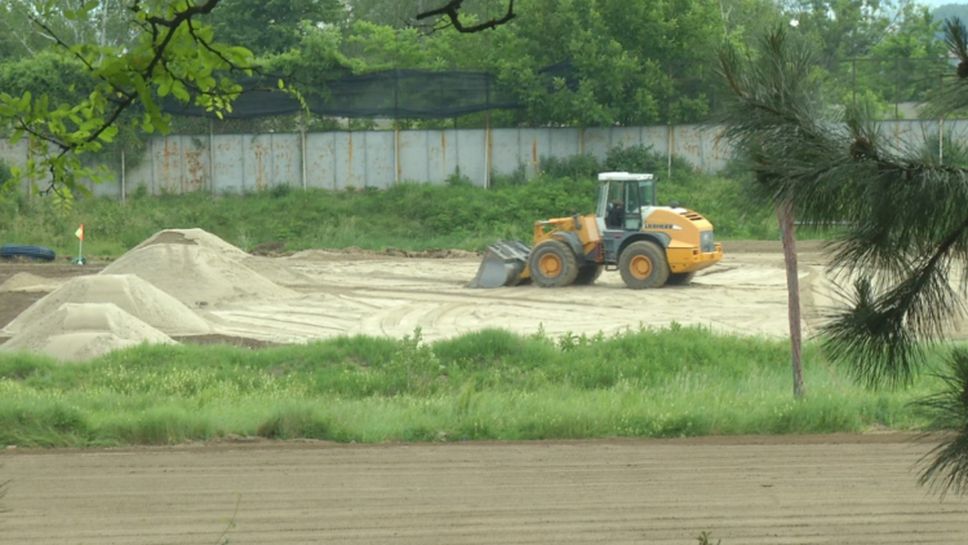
274, 26
905, 219
568, 62
172, 53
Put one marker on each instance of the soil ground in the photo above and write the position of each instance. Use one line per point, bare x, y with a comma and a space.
769, 490
744, 491
348, 293
320, 294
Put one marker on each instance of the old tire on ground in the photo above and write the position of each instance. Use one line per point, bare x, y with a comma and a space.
680, 279
553, 264
588, 274
643, 265
26, 251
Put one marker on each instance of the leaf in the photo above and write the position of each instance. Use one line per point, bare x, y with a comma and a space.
164, 87
108, 134
181, 93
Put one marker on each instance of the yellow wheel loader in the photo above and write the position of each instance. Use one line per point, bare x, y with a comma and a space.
649, 245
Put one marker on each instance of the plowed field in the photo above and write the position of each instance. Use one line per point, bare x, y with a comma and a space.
744, 491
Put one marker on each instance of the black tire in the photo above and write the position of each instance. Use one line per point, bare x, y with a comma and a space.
24, 251
643, 265
553, 264
588, 274
680, 279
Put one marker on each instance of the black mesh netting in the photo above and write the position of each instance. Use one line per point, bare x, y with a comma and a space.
391, 94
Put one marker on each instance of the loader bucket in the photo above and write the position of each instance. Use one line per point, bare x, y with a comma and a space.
504, 264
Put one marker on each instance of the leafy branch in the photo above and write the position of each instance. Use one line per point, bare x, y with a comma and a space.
172, 53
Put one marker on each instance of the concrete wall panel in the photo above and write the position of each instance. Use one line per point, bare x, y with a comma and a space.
321, 160
379, 159
471, 155
228, 170
378, 150
506, 152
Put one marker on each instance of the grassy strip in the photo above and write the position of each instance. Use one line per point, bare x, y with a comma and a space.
408, 216
486, 385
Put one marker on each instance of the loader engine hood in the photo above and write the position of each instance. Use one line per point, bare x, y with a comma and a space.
684, 227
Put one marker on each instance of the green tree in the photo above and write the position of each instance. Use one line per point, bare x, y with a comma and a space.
62, 79
882, 52
273, 26
138, 52
173, 53
630, 63
904, 232
909, 59
841, 29
103, 22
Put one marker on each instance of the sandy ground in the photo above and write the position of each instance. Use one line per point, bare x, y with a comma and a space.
744, 491
355, 293
311, 295
379, 295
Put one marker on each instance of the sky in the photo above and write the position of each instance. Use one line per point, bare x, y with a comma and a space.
935, 3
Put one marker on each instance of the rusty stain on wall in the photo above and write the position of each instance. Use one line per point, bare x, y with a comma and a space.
195, 171
260, 153
171, 179
443, 152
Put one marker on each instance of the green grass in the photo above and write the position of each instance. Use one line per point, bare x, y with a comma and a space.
408, 216
486, 385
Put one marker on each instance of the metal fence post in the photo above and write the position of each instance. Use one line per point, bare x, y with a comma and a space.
124, 189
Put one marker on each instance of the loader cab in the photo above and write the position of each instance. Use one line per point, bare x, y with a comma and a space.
622, 199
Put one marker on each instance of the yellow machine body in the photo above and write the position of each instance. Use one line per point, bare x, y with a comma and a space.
649, 245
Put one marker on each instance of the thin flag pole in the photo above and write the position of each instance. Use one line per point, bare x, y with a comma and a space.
80, 245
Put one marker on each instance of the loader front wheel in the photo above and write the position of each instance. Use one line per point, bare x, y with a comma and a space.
553, 264
643, 265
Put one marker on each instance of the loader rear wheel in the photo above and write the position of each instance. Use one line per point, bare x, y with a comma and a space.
588, 274
553, 264
643, 265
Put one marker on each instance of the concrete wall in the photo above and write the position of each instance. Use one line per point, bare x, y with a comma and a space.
238, 163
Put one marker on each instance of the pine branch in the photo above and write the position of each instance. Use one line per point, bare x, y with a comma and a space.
956, 38
946, 465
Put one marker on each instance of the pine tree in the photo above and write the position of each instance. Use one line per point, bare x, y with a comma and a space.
902, 219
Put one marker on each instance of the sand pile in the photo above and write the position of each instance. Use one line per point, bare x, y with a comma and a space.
81, 331
194, 237
197, 268
31, 283
128, 292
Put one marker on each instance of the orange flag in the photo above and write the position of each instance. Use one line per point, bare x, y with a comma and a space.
80, 232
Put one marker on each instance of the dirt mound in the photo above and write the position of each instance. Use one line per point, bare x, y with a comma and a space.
194, 237
129, 293
27, 282
81, 331
199, 270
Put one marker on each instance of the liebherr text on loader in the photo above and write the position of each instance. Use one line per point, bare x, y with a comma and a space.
649, 245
